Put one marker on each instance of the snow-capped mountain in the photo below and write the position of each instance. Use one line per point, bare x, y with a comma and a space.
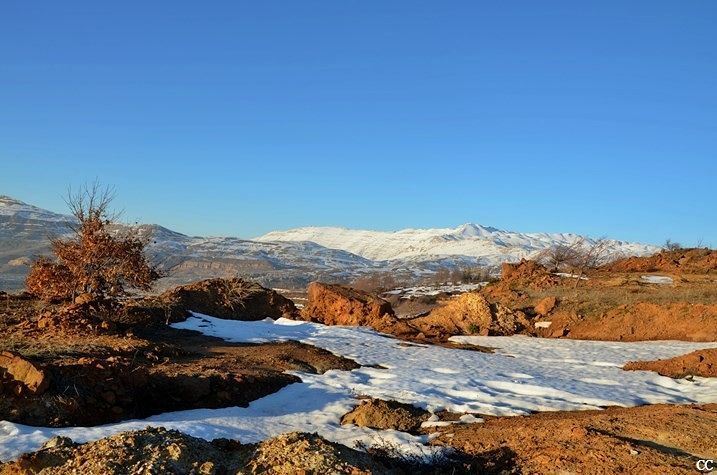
286, 258
25, 231
468, 240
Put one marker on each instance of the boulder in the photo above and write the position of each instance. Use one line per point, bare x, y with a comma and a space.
383, 415
334, 304
32, 378
471, 314
507, 321
465, 314
545, 306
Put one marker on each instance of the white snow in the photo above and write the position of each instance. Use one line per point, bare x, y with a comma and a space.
410, 292
492, 245
523, 375
13, 208
657, 279
567, 275
543, 324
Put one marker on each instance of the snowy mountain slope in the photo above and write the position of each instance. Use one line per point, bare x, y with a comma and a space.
285, 258
468, 240
25, 231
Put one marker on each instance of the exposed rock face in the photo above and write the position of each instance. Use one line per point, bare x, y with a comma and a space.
471, 314
466, 314
507, 321
334, 304
234, 299
380, 414
32, 378
546, 305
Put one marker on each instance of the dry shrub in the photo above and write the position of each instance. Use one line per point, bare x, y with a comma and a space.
92, 261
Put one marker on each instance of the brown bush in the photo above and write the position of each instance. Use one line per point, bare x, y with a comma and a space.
49, 280
92, 261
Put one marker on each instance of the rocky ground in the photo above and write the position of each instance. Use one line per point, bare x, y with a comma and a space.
89, 363
65, 367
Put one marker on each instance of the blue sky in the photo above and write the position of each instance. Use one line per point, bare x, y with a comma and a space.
236, 118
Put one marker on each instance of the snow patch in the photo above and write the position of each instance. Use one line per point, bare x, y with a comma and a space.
657, 279
523, 375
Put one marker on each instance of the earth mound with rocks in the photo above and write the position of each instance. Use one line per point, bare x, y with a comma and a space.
680, 261
472, 314
233, 299
527, 273
698, 363
158, 450
380, 414
333, 304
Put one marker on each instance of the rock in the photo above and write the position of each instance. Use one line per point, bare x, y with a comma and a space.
58, 441
546, 305
380, 414
471, 314
507, 321
465, 314
32, 378
334, 304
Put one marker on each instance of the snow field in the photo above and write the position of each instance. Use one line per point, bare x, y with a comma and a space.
523, 375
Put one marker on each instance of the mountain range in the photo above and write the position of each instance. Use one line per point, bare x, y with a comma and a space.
289, 258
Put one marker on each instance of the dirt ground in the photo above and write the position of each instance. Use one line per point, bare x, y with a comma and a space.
701, 363
648, 439
663, 439
160, 451
97, 376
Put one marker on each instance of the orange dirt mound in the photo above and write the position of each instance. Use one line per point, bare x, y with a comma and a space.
686, 261
698, 363
233, 299
471, 313
641, 440
637, 322
527, 273
333, 304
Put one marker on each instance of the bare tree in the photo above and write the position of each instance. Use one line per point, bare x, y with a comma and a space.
559, 256
590, 255
375, 282
577, 257
671, 245
442, 275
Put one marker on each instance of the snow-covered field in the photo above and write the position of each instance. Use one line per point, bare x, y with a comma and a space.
523, 375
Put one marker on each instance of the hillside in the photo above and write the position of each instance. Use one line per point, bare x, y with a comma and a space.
287, 258
486, 245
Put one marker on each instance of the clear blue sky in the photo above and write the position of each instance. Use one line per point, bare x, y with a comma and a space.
236, 118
